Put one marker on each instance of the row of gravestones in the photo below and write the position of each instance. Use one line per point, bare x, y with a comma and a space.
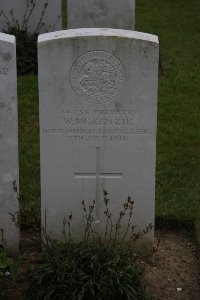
81, 14
98, 103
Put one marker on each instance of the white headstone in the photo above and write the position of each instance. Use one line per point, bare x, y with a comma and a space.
98, 103
51, 21
9, 207
118, 14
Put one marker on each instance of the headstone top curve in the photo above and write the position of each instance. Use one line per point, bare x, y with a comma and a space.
7, 38
89, 32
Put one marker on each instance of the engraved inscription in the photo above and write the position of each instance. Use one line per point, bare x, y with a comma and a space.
98, 135
3, 71
97, 77
99, 125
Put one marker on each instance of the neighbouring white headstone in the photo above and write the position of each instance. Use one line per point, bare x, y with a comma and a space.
118, 14
32, 11
98, 107
9, 206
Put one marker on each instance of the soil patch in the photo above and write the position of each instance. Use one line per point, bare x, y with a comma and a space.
175, 274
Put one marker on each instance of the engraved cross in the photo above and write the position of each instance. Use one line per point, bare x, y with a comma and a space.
98, 175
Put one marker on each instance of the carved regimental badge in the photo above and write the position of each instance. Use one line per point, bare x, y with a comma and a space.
97, 77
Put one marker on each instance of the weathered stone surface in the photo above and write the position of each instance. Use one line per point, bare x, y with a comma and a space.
98, 103
9, 170
52, 18
118, 14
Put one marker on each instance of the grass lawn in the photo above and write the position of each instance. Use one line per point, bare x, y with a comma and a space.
29, 148
177, 24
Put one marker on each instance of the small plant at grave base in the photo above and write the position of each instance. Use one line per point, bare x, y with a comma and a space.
9, 269
101, 266
4, 267
26, 45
